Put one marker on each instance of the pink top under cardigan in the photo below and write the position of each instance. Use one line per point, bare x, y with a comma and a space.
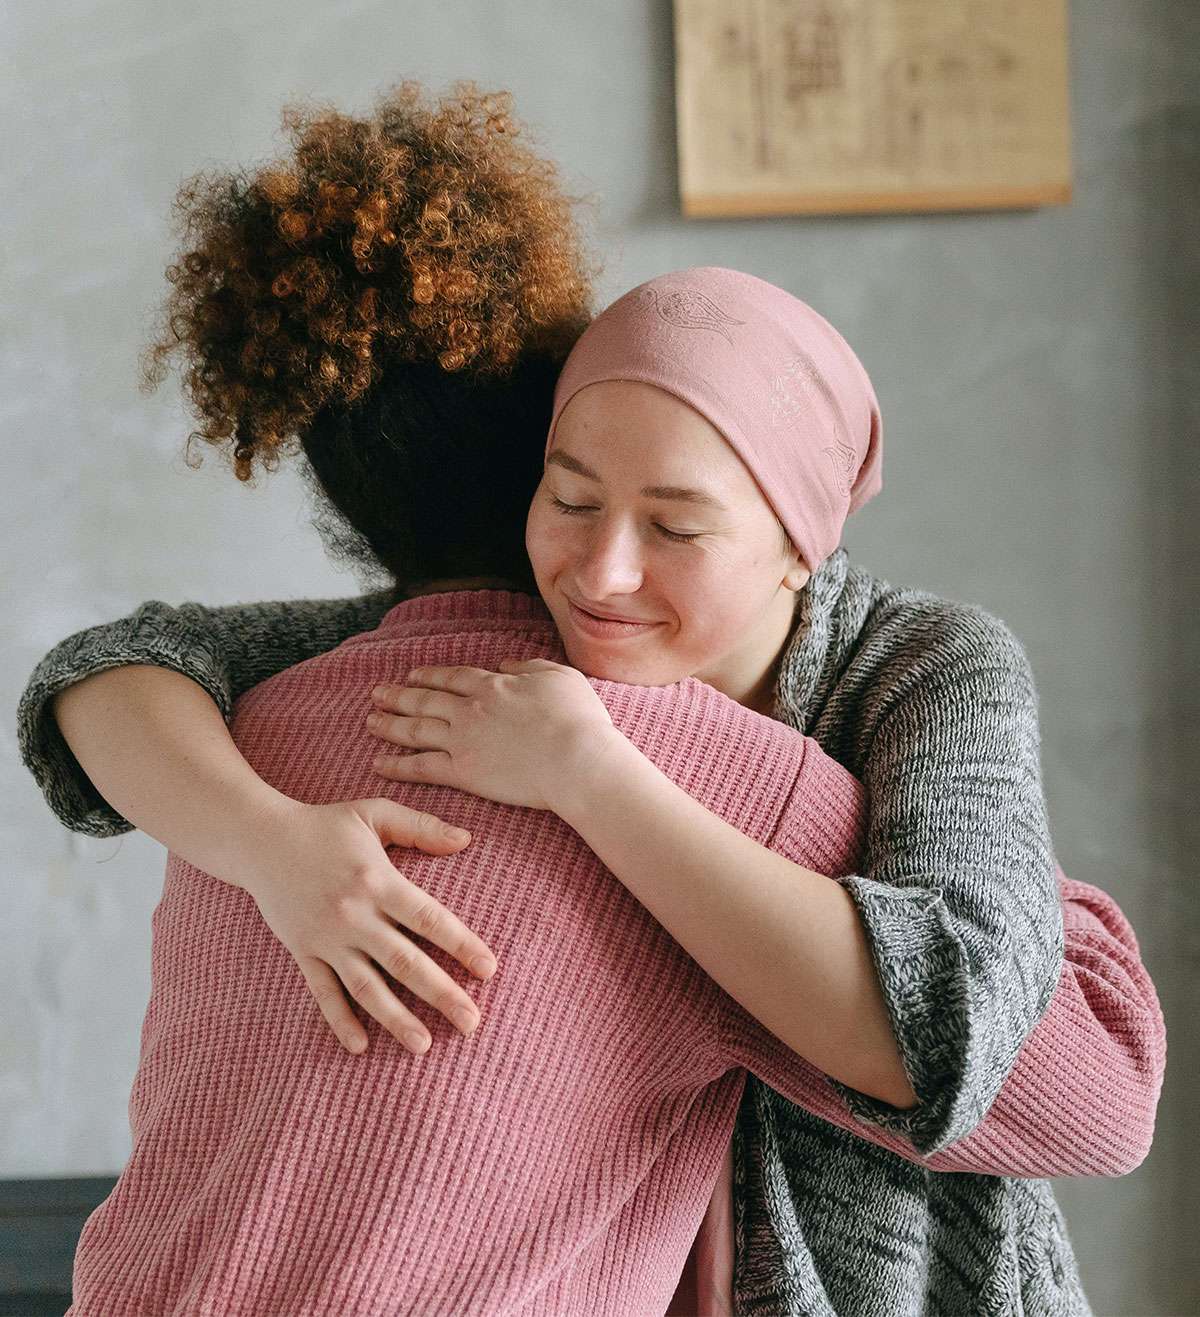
558, 1161
1102, 1036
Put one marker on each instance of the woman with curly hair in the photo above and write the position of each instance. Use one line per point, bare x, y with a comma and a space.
398, 298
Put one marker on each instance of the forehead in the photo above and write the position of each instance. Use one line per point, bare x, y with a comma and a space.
675, 493
626, 432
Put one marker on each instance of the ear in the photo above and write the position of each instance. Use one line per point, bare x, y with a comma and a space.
797, 578
797, 575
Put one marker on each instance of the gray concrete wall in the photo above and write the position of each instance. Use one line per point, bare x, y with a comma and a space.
1037, 374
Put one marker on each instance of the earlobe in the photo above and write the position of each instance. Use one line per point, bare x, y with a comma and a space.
797, 578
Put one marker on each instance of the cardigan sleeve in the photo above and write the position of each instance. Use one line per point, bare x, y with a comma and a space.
226, 650
1082, 1096
958, 893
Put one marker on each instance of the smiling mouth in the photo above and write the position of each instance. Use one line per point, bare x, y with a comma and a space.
604, 617
606, 625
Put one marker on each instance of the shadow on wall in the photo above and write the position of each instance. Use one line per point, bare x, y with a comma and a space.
1156, 164
1170, 143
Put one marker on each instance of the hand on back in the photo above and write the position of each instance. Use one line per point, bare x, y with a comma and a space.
328, 890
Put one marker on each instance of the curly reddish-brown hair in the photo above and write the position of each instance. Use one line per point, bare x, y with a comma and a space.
427, 231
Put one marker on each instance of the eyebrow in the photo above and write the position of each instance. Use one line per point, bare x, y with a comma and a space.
673, 493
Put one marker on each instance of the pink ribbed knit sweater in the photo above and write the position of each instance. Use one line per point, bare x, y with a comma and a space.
560, 1159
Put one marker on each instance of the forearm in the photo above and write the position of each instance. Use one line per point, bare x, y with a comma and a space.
225, 649
158, 750
784, 941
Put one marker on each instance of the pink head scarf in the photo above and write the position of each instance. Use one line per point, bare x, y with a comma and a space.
776, 378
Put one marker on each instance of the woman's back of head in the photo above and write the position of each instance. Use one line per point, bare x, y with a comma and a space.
395, 296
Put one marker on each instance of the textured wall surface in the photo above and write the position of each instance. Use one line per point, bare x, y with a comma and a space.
1037, 374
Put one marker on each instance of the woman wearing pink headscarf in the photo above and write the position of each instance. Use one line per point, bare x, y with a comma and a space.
710, 434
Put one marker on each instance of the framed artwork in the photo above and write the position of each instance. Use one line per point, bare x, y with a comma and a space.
841, 106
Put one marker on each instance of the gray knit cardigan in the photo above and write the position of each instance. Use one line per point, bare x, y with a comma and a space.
932, 704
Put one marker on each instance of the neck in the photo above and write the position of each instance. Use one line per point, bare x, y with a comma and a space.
761, 697
749, 674
448, 584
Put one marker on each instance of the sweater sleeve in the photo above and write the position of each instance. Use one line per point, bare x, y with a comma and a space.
958, 893
1082, 1096
226, 650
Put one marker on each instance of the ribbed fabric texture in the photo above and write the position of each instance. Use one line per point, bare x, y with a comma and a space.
560, 1160
807, 1186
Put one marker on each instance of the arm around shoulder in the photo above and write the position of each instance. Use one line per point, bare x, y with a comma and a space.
223, 650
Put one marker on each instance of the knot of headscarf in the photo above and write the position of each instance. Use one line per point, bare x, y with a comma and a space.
771, 374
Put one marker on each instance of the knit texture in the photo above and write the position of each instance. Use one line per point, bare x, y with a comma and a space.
558, 1161
932, 704
858, 647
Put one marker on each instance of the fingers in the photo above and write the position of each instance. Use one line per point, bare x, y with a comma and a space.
436, 767
365, 984
413, 717
407, 731
352, 941
460, 680
398, 825
326, 988
363, 981
406, 903
409, 905
416, 700
423, 977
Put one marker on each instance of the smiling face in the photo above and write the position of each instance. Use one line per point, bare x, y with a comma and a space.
645, 513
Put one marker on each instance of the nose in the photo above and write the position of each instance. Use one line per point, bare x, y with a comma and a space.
610, 562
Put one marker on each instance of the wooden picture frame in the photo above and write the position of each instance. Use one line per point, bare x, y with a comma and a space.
851, 106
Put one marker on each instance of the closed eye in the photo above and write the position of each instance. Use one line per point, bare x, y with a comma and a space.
573, 509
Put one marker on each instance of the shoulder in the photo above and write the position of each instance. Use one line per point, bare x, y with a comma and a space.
912, 640
336, 614
933, 632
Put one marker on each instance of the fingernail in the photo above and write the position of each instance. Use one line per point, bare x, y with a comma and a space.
483, 967
379, 693
457, 834
356, 1044
416, 1042
464, 1019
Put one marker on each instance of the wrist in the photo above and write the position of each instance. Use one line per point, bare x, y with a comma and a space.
598, 762
259, 815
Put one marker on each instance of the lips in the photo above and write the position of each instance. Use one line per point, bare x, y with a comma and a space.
611, 617
605, 628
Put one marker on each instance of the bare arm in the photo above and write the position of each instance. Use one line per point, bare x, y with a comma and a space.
155, 746
157, 749
225, 650
1104, 1019
772, 932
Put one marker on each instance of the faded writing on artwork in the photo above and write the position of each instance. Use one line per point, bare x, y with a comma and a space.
821, 96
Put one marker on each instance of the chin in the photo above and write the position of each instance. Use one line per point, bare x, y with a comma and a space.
630, 671
600, 666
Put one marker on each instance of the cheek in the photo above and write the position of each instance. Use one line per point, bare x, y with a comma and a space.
707, 572
693, 581
540, 540
552, 541
716, 597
